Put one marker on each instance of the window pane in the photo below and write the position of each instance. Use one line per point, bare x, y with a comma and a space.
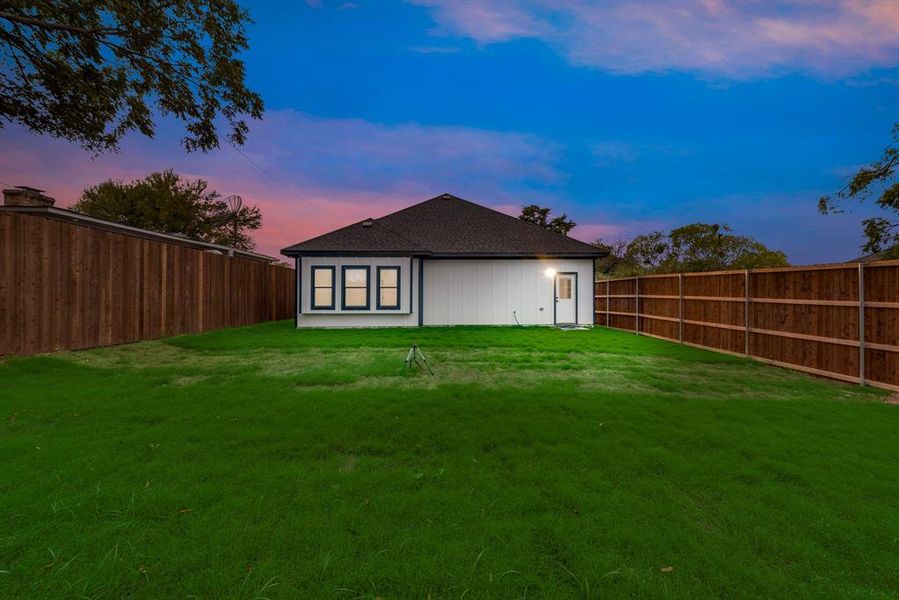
564, 288
388, 297
388, 277
355, 277
356, 297
323, 277
323, 296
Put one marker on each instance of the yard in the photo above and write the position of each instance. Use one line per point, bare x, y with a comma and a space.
266, 462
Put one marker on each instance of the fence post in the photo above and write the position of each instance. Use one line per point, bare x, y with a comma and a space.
680, 308
201, 276
637, 306
608, 308
861, 323
163, 322
746, 310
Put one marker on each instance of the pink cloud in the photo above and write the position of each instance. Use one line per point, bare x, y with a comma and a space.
612, 231
309, 175
724, 39
490, 21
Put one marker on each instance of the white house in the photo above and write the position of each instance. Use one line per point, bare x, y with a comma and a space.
445, 261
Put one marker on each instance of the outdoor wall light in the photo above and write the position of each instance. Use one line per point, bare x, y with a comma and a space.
550, 273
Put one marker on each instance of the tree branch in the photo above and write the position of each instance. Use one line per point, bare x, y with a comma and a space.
40, 24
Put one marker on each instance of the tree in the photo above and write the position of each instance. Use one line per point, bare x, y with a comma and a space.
880, 178
648, 251
691, 248
167, 203
540, 216
232, 227
92, 71
705, 247
617, 262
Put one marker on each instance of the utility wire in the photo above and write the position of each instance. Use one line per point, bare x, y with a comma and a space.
271, 177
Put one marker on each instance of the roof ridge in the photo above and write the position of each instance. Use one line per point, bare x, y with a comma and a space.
411, 206
377, 219
447, 196
516, 219
447, 225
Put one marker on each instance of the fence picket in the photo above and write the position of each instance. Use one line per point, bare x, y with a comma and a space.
121, 288
810, 319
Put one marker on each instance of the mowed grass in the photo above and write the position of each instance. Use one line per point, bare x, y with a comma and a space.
537, 463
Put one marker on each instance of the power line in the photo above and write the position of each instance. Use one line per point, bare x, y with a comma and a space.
271, 177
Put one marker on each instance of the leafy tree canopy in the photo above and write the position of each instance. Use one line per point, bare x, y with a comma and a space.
880, 179
91, 71
691, 248
540, 216
167, 203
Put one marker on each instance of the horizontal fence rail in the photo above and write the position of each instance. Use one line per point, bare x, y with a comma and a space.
65, 286
838, 321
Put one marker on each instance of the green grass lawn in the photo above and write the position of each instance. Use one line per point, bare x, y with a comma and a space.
269, 462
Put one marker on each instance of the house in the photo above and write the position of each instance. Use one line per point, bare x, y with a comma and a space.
889, 254
445, 261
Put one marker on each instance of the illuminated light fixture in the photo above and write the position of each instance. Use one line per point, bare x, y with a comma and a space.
550, 273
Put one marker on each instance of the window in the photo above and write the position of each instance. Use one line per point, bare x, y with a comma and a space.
323, 288
564, 288
355, 288
388, 287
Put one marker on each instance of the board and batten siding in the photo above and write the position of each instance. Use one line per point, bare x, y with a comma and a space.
495, 291
456, 292
406, 315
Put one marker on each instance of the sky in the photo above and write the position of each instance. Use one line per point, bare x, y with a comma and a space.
627, 116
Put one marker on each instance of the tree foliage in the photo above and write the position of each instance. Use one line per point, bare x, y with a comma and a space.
878, 178
616, 262
91, 71
167, 203
540, 216
691, 248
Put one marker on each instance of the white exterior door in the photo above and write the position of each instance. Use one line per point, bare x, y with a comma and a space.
566, 298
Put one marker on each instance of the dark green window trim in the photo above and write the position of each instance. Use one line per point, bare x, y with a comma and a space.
398, 289
313, 287
343, 288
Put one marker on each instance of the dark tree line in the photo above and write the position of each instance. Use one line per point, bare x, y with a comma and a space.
691, 248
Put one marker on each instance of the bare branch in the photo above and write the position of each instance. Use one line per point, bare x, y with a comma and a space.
41, 24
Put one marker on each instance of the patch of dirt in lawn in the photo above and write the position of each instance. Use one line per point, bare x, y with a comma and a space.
892, 399
188, 380
360, 368
349, 463
145, 355
159, 355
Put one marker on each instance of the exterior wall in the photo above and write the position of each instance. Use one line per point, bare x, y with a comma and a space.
456, 292
406, 315
486, 292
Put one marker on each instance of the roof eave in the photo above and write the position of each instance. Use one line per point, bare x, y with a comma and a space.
295, 252
531, 255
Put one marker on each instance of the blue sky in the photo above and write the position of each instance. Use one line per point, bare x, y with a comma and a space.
628, 116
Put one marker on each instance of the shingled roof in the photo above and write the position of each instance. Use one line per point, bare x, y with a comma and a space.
445, 226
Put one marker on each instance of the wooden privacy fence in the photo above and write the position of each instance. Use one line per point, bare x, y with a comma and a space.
839, 321
65, 286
